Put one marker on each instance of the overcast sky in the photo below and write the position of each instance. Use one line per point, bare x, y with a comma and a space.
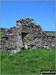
43, 12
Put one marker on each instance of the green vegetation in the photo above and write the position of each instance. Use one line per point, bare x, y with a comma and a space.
51, 34
27, 39
1, 35
28, 61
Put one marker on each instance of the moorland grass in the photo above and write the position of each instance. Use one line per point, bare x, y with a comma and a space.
28, 61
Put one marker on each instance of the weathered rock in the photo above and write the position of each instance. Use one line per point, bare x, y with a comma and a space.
26, 35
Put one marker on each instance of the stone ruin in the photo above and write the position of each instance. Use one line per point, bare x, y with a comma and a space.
26, 35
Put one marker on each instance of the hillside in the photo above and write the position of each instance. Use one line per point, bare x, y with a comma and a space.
28, 61
3, 29
51, 33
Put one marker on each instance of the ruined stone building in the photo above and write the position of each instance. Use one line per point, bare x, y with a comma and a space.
26, 35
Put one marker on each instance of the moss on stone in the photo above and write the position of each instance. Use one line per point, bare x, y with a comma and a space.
27, 39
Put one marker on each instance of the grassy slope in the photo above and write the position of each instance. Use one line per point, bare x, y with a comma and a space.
28, 62
1, 35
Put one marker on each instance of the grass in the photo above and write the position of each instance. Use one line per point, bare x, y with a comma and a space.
27, 39
28, 61
1, 35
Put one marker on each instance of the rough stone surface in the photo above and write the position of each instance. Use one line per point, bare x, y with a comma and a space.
26, 35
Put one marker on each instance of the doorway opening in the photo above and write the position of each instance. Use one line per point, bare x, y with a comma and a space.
23, 36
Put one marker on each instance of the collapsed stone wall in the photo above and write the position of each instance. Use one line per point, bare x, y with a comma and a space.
26, 35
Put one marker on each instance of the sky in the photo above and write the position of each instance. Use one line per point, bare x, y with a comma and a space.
43, 13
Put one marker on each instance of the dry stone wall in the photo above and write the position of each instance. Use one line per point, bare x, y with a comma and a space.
26, 35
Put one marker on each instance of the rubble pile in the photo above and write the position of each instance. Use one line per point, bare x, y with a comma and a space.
26, 35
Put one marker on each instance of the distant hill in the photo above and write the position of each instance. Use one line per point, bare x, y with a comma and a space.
3, 30
50, 33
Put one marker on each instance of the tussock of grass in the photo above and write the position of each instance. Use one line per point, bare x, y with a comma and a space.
28, 61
